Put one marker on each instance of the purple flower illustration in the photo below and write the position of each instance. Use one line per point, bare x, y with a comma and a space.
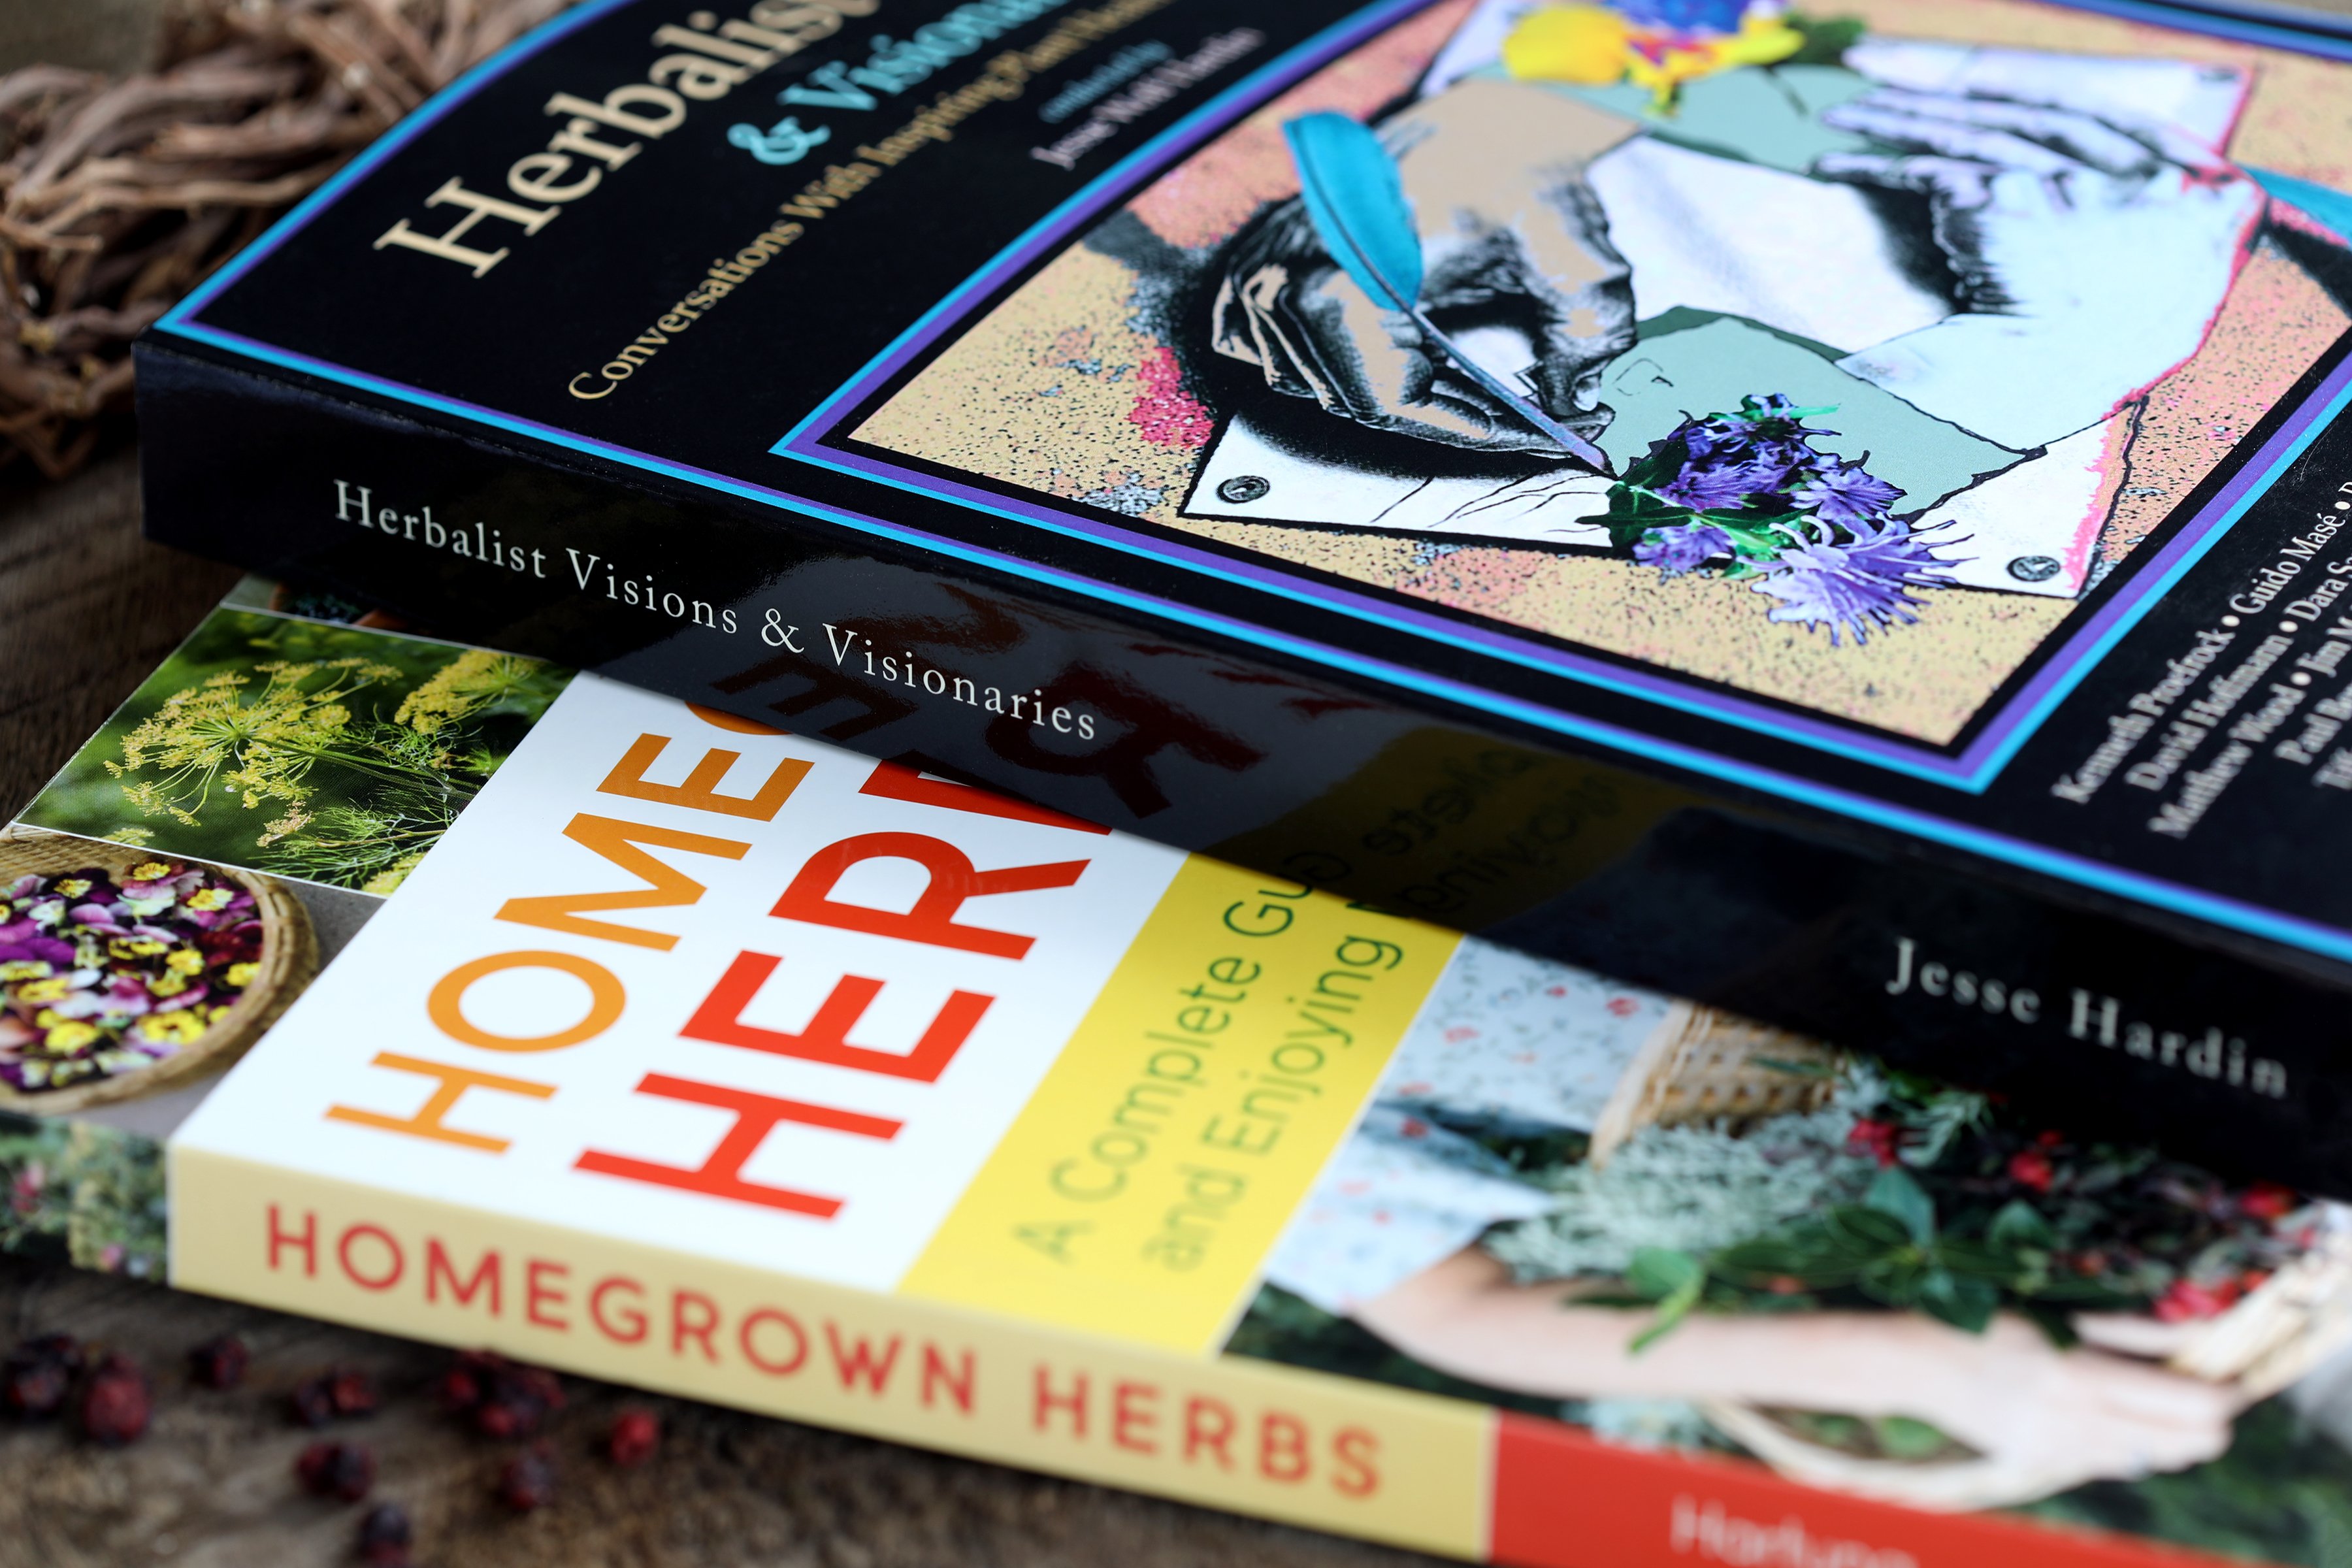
1845, 494
1751, 495
1862, 586
1702, 438
1676, 551
1727, 488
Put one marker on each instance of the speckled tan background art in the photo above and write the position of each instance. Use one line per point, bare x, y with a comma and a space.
1073, 387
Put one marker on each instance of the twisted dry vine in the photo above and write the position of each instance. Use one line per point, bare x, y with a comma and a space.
117, 195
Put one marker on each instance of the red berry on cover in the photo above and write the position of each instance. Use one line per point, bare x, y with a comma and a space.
2189, 1302
2032, 1169
386, 1536
219, 1363
38, 1373
636, 1434
116, 1403
528, 1482
2266, 1200
1881, 1141
342, 1470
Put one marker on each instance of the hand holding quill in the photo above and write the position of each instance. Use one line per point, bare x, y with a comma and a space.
1355, 199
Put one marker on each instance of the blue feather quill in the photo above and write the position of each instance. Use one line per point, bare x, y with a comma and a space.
1355, 200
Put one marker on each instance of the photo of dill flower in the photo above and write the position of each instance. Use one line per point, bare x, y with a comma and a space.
333, 754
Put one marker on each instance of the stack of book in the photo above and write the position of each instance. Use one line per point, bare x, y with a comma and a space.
1567, 782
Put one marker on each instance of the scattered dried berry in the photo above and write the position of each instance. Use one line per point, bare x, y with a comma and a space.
460, 1388
501, 1398
116, 1403
219, 1363
312, 1402
337, 1393
386, 1536
344, 1470
528, 1481
38, 1373
352, 1392
636, 1434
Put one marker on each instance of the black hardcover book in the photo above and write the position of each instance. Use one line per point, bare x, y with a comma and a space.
1832, 514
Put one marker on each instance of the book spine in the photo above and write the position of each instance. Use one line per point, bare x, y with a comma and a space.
2200, 1042
1418, 1471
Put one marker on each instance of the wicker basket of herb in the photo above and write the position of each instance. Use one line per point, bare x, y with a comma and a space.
1741, 1170
123, 972
1699, 1066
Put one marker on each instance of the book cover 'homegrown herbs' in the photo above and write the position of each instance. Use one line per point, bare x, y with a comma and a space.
457, 995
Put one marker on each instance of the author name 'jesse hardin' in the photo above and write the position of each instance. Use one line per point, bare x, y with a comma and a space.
2091, 1016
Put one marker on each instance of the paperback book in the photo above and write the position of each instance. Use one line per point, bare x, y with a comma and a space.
453, 993
1833, 515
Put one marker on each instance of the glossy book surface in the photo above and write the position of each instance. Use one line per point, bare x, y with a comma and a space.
1835, 515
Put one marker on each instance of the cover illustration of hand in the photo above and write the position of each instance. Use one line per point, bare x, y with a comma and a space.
1517, 266
2089, 260
2084, 260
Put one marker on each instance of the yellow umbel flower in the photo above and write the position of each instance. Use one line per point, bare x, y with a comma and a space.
468, 684
220, 736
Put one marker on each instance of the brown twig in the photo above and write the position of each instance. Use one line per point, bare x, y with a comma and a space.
117, 196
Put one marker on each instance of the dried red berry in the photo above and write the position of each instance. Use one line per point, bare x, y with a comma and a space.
520, 1402
338, 1392
38, 1373
116, 1403
353, 1392
312, 1402
528, 1481
636, 1434
460, 1390
503, 1398
219, 1363
386, 1536
344, 1470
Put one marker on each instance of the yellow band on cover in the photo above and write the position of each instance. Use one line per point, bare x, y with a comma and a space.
1141, 1187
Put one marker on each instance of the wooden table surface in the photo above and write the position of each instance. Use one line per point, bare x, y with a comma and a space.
87, 609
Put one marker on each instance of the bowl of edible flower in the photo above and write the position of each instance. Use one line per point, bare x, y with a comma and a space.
122, 971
